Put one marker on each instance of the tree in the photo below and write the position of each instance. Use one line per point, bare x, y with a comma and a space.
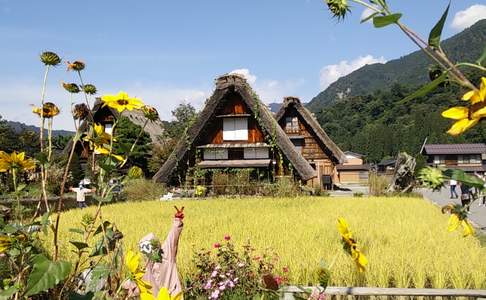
183, 115
126, 133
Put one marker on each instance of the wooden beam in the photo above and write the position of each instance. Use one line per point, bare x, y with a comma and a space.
373, 291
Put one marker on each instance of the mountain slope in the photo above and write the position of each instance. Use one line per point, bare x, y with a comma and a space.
409, 70
18, 127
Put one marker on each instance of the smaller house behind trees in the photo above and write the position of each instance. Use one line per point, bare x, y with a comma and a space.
467, 157
353, 170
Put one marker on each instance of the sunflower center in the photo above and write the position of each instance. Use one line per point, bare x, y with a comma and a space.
122, 102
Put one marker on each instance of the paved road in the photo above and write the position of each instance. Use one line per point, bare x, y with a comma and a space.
477, 213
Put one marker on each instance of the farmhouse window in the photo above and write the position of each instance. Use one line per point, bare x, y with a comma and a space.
298, 144
439, 159
235, 129
109, 128
469, 159
255, 153
211, 154
291, 124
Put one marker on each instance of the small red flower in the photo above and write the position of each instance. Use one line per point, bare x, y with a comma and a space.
217, 245
285, 269
257, 258
278, 279
227, 238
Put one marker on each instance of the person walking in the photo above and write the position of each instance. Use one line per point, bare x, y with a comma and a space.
453, 184
465, 195
81, 192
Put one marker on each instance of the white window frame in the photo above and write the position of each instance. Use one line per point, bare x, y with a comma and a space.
215, 154
235, 129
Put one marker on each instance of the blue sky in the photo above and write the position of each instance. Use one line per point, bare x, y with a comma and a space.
170, 51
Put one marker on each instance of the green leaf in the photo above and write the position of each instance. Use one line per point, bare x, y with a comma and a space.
79, 245
436, 32
382, 21
426, 88
369, 17
482, 58
8, 293
76, 230
41, 157
88, 296
463, 177
98, 274
102, 228
46, 274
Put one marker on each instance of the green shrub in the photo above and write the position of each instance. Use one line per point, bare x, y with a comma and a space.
143, 189
358, 194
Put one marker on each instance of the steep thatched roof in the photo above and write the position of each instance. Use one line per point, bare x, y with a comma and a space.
224, 85
154, 129
335, 152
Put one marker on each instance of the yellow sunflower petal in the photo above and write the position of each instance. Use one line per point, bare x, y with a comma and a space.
480, 113
467, 96
132, 261
453, 222
461, 126
343, 227
456, 113
164, 294
146, 296
468, 228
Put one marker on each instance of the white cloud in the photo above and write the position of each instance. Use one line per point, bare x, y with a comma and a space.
270, 90
366, 13
331, 73
465, 18
245, 73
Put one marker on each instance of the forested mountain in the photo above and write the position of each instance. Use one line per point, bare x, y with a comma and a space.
19, 127
379, 125
410, 70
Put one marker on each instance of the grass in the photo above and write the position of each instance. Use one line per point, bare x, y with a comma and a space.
404, 239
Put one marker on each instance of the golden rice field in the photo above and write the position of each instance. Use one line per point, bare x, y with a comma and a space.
404, 239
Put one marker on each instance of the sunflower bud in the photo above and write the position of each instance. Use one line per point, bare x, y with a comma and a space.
431, 178
339, 8
89, 89
72, 88
75, 65
50, 58
150, 113
80, 111
49, 110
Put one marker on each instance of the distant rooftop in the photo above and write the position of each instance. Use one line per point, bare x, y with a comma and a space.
454, 148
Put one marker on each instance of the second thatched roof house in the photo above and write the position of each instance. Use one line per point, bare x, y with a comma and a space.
311, 141
234, 131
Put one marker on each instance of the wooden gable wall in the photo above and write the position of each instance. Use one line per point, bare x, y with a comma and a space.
232, 105
312, 148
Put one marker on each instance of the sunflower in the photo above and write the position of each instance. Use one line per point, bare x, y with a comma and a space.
5, 243
105, 151
49, 110
121, 102
15, 161
76, 65
150, 113
458, 217
351, 246
132, 261
476, 96
72, 88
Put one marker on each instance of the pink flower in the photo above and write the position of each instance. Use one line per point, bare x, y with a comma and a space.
278, 279
241, 264
217, 245
214, 294
285, 269
208, 284
227, 238
214, 274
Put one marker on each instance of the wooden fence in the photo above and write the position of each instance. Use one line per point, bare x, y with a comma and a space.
361, 292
